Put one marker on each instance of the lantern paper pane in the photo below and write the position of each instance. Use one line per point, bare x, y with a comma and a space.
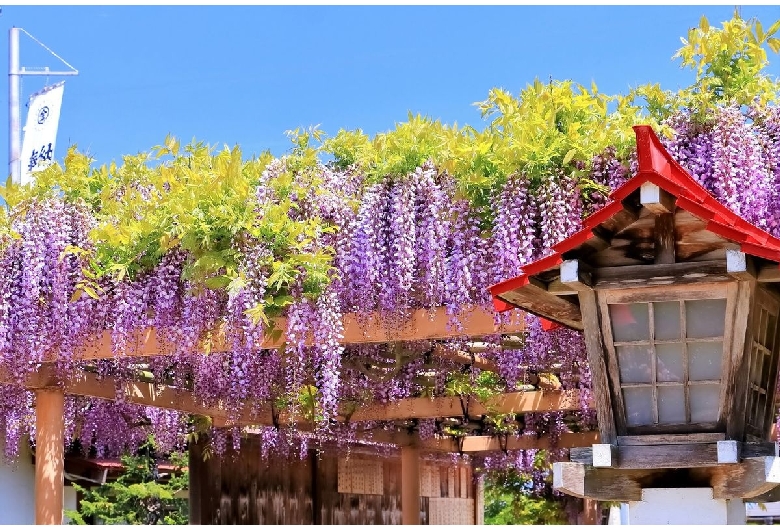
704, 360
667, 320
639, 406
630, 322
704, 402
705, 318
669, 363
635, 364
671, 404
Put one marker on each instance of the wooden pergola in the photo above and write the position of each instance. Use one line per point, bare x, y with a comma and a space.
358, 329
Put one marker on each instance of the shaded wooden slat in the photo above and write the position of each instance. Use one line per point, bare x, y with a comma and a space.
479, 444
465, 358
740, 481
664, 239
536, 299
728, 481
611, 371
90, 385
649, 439
512, 403
769, 273
603, 484
656, 456
736, 377
660, 274
422, 324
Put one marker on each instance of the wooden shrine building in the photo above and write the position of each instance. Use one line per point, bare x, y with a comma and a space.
678, 301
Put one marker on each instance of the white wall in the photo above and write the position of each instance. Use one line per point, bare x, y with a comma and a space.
17, 488
683, 506
69, 501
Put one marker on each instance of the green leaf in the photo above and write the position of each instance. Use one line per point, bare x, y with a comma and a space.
217, 282
569, 156
90, 292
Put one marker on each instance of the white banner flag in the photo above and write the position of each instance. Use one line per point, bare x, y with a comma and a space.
40, 132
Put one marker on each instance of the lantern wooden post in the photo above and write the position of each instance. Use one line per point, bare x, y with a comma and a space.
49, 455
410, 485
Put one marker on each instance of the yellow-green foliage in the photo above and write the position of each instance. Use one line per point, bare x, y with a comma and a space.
204, 202
562, 125
190, 198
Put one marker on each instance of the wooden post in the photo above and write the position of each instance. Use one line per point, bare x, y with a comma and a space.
479, 501
49, 455
410, 485
590, 512
664, 238
195, 463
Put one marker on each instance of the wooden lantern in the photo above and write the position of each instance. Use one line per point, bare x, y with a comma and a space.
676, 296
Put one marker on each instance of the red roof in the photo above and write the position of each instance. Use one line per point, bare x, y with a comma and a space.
657, 166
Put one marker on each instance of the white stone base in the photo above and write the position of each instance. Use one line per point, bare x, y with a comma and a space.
682, 506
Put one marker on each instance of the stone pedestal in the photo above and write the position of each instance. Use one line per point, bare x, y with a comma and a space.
682, 506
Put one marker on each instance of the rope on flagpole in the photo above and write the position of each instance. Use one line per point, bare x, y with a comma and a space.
49, 50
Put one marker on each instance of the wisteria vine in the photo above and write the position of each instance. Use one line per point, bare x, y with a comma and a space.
404, 243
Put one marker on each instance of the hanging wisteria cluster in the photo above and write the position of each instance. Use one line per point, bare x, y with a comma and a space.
407, 242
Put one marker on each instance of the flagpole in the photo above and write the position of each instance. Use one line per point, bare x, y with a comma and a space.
15, 71
14, 121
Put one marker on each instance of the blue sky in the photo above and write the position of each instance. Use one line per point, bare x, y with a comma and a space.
244, 75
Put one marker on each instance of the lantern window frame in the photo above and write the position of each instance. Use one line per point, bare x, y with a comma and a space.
658, 294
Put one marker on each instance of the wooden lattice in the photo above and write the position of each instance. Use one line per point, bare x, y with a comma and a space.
451, 511
359, 475
430, 481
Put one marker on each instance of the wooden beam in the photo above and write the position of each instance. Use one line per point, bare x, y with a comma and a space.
483, 444
148, 394
422, 324
657, 439
511, 403
49, 455
470, 444
465, 358
660, 275
741, 481
537, 401
769, 273
535, 298
602, 484
622, 219
728, 481
594, 346
655, 199
738, 369
663, 236
673, 456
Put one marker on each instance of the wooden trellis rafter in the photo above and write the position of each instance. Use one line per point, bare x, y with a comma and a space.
422, 324
166, 397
